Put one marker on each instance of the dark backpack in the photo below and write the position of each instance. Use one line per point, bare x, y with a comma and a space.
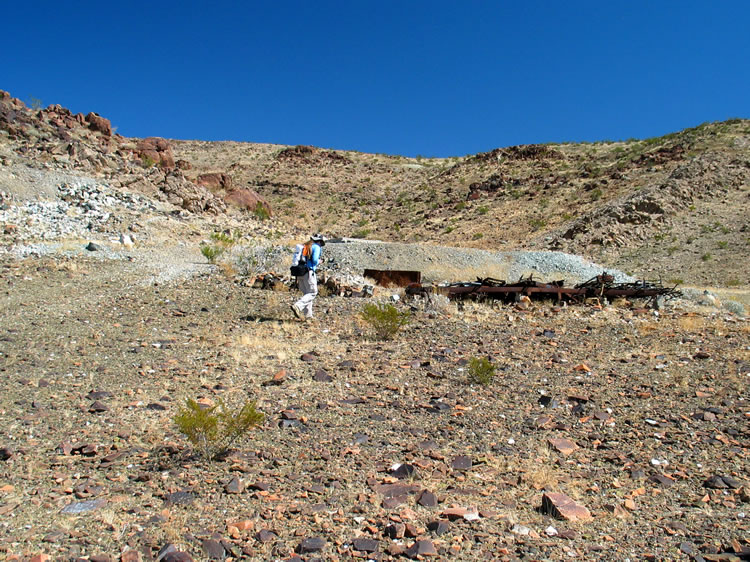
299, 270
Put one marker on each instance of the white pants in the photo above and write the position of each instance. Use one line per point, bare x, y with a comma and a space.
308, 284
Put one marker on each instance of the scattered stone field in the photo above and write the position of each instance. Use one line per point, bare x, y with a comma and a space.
607, 433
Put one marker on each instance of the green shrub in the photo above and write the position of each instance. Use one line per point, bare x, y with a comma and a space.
225, 239
706, 257
211, 252
481, 371
214, 429
261, 212
385, 319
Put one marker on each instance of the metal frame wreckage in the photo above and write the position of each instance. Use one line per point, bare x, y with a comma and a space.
601, 286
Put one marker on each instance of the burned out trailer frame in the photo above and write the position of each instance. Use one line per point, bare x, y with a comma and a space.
601, 286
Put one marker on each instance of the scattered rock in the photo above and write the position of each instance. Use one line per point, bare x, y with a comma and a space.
563, 446
421, 548
311, 544
461, 463
83, 507
363, 544
234, 486
322, 376
438, 526
427, 499
562, 507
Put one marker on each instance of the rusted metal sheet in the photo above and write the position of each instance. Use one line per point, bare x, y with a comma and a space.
394, 277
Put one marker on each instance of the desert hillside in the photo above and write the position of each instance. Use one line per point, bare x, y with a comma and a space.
671, 208
137, 307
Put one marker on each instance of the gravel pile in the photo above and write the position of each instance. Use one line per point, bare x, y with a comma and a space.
80, 208
440, 263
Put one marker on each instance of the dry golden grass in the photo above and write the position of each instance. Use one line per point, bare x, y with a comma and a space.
691, 323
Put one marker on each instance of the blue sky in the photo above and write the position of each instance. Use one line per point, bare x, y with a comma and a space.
433, 78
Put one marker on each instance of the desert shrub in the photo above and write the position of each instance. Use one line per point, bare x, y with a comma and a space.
261, 212
214, 429
259, 257
481, 371
385, 319
225, 239
211, 252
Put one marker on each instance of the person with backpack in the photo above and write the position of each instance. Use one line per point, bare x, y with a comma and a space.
307, 280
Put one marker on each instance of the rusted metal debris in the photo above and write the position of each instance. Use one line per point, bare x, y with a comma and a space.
394, 277
601, 286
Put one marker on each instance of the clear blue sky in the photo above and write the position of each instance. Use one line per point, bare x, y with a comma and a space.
435, 78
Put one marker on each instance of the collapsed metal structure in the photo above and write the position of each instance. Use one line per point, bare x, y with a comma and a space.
601, 286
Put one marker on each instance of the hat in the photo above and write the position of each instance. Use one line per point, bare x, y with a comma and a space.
319, 238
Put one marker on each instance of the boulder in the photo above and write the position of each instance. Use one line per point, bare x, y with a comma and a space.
156, 150
215, 181
194, 198
247, 199
99, 124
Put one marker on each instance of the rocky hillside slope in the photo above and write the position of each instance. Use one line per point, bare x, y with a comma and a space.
671, 207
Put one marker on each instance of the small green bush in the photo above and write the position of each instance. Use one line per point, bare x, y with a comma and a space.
211, 252
214, 429
385, 319
226, 239
481, 371
261, 212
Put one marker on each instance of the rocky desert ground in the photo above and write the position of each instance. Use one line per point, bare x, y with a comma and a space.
610, 431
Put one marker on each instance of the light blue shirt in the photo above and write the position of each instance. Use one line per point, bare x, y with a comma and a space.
312, 261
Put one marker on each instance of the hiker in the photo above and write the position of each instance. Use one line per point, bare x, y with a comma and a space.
308, 281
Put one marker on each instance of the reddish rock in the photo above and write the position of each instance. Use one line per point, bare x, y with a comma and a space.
131, 556
183, 193
563, 446
234, 486
184, 165
247, 199
461, 463
466, 513
563, 507
427, 499
215, 181
364, 544
156, 150
421, 548
99, 124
